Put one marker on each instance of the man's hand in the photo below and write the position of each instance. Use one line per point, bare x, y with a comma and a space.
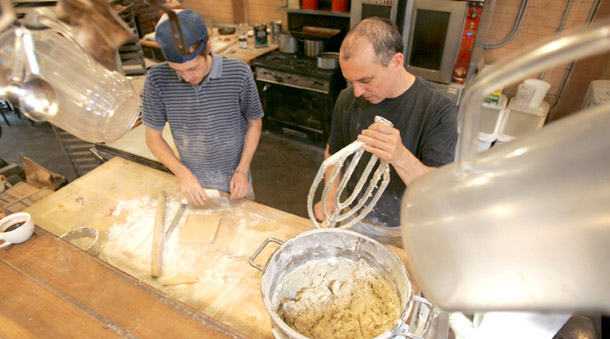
318, 211
384, 141
239, 185
192, 190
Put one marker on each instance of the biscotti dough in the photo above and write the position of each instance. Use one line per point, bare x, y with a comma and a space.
200, 228
338, 298
179, 280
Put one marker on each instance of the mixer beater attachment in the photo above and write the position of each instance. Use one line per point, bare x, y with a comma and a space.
380, 179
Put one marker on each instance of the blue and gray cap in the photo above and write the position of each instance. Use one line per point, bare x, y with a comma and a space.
193, 30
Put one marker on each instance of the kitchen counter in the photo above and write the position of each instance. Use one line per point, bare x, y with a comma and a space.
132, 146
226, 45
118, 199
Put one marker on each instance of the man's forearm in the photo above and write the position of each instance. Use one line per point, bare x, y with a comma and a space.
410, 168
162, 151
251, 140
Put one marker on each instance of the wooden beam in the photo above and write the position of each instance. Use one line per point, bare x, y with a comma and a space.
240, 11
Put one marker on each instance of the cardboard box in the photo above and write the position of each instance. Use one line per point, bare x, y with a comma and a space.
21, 196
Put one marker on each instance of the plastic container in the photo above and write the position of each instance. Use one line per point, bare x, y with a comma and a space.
489, 125
293, 4
310, 4
598, 93
93, 103
524, 96
519, 121
340, 5
541, 87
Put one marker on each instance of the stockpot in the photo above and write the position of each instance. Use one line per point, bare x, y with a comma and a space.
330, 243
313, 47
288, 43
327, 60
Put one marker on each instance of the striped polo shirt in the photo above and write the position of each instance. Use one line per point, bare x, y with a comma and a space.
207, 120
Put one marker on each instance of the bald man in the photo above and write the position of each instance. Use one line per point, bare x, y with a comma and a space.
425, 121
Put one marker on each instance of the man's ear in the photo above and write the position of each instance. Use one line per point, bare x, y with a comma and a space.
397, 60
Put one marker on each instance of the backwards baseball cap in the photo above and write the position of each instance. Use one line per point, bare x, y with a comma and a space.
193, 31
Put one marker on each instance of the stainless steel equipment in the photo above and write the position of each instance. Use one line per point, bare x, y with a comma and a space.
393, 10
288, 43
298, 98
337, 243
525, 225
380, 180
276, 30
327, 60
85, 238
313, 47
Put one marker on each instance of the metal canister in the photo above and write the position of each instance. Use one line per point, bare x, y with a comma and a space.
260, 35
276, 29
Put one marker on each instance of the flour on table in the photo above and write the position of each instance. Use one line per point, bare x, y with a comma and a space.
127, 244
200, 228
337, 298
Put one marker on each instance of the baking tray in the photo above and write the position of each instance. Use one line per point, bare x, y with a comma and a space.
315, 33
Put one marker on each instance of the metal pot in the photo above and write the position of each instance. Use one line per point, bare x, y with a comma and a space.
337, 243
288, 43
313, 47
327, 60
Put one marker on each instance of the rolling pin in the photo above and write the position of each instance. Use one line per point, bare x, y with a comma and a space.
157, 245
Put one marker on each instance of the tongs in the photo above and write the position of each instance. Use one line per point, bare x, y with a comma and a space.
380, 179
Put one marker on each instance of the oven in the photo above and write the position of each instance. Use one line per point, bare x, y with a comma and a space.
298, 98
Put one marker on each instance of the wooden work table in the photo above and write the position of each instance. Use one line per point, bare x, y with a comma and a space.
117, 198
227, 45
51, 289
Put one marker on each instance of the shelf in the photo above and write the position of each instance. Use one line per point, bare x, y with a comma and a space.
315, 12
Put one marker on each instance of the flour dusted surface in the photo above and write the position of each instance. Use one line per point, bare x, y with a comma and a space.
337, 298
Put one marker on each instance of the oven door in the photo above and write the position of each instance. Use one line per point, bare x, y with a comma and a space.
296, 112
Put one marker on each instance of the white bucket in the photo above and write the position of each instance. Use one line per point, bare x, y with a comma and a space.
541, 88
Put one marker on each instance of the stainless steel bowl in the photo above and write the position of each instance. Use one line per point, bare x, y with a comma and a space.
335, 243
288, 43
85, 238
327, 60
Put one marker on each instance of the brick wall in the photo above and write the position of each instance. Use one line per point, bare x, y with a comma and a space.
266, 11
541, 21
221, 11
212, 11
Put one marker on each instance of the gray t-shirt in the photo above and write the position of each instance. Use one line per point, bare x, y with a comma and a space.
427, 121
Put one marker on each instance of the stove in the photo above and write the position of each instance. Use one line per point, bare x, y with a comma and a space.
298, 98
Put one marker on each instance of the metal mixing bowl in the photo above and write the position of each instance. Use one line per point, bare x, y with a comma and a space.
85, 238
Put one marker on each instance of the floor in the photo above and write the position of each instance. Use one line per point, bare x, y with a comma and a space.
282, 171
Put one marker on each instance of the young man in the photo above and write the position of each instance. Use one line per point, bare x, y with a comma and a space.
213, 110
425, 121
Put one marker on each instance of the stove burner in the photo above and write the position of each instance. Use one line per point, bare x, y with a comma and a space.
302, 64
293, 62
